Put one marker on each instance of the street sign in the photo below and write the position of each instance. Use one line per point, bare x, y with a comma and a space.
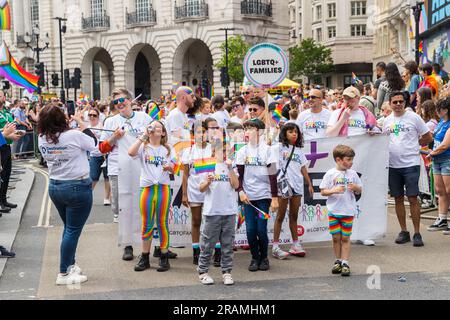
266, 65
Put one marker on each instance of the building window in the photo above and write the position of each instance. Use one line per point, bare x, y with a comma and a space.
358, 30
34, 12
319, 34
96, 8
359, 8
332, 10
142, 9
332, 32
318, 13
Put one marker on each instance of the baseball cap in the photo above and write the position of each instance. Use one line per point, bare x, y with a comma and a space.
351, 92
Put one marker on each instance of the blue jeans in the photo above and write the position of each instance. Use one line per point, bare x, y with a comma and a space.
95, 166
73, 200
257, 229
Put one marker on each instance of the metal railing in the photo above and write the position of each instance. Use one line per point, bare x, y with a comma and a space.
191, 11
256, 8
141, 17
95, 22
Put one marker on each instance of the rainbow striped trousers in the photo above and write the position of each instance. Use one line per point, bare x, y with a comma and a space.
155, 206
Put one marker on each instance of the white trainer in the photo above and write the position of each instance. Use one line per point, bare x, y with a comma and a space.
71, 278
116, 219
76, 268
227, 279
206, 279
106, 202
279, 254
297, 250
369, 243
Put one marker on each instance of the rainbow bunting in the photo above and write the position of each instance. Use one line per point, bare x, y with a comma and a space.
14, 72
261, 214
5, 15
277, 114
155, 112
240, 217
205, 165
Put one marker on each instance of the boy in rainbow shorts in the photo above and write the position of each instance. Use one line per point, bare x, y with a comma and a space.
340, 185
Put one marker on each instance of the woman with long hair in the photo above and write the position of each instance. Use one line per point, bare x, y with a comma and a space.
423, 94
394, 82
70, 188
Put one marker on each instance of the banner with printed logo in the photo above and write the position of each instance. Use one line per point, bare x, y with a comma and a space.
371, 163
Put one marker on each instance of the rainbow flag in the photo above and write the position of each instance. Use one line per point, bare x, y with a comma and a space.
355, 79
305, 97
277, 114
240, 217
5, 15
261, 214
174, 98
12, 71
205, 165
410, 29
155, 112
176, 166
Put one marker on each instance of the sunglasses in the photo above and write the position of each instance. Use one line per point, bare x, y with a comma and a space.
398, 102
253, 109
236, 106
93, 116
312, 97
247, 92
119, 101
213, 128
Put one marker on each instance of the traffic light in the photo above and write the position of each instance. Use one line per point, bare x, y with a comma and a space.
67, 84
224, 79
77, 78
55, 80
40, 72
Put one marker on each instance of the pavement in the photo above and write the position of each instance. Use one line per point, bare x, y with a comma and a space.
386, 271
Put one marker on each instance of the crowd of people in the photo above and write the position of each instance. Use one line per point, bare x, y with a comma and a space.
243, 153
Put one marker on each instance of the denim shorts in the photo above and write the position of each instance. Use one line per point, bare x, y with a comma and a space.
441, 166
95, 165
402, 178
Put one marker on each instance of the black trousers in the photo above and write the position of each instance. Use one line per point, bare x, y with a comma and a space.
5, 154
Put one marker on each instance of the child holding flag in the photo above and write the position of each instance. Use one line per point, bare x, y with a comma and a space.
340, 185
258, 190
219, 212
192, 197
156, 158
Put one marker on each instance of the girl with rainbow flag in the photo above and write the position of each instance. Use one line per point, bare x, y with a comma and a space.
192, 178
157, 165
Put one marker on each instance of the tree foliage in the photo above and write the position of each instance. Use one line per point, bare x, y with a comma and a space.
309, 59
237, 49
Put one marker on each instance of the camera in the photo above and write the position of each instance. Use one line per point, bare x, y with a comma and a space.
151, 128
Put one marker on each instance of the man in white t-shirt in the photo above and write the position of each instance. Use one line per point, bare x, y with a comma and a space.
314, 121
407, 132
238, 104
177, 122
135, 123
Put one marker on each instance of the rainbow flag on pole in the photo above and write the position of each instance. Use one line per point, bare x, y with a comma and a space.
12, 71
277, 114
240, 217
5, 15
176, 166
205, 165
155, 112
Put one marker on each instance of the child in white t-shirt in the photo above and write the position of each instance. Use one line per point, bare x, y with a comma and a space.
157, 163
219, 214
340, 185
192, 197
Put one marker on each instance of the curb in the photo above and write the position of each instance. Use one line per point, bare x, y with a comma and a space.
10, 223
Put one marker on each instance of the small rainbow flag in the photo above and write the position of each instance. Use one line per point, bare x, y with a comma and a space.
12, 71
155, 112
5, 15
240, 217
261, 214
277, 114
174, 98
305, 97
235, 149
421, 46
205, 165
176, 166
355, 79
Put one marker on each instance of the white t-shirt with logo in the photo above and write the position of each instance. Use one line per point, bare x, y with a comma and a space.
220, 198
256, 160
404, 134
314, 125
294, 170
68, 159
175, 123
152, 160
134, 126
343, 204
222, 117
356, 123
194, 180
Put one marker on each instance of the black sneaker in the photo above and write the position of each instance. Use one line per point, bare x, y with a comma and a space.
264, 265
403, 237
417, 240
6, 254
196, 255
144, 263
128, 254
164, 264
345, 270
253, 266
439, 224
4, 209
157, 253
10, 205
217, 257
337, 268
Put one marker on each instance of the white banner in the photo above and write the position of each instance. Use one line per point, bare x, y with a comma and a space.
371, 162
